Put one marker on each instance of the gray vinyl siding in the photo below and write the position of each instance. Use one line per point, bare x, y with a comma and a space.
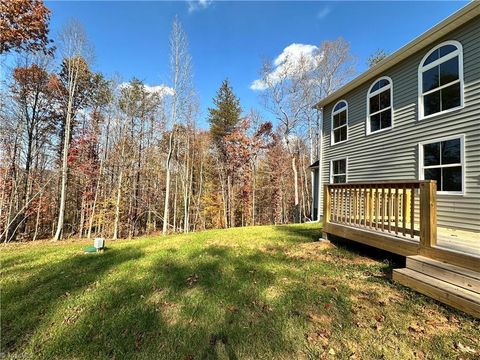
393, 154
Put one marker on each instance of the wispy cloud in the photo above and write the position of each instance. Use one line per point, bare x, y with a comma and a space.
322, 13
288, 62
194, 5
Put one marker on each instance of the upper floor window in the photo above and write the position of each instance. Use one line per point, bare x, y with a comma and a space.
379, 105
339, 122
440, 79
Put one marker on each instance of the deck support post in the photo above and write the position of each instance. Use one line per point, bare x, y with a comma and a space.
326, 209
428, 214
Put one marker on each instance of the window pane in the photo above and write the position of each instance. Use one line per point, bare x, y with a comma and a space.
375, 122
451, 152
386, 119
447, 49
339, 166
339, 179
340, 119
384, 99
431, 154
430, 79
375, 87
452, 178
383, 82
432, 57
340, 134
374, 103
339, 106
449, 71
431, 103
434, 174
343, 133
337, 136
451, 96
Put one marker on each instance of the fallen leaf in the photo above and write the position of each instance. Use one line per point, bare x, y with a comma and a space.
192, 279
465, 349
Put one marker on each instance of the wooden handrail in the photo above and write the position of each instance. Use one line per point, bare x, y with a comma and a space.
386, 207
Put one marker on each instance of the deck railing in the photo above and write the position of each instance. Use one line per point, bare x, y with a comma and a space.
387, 207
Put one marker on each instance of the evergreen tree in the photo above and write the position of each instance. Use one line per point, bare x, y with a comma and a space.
225, 116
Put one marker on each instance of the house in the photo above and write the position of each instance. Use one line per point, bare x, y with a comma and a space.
399, 160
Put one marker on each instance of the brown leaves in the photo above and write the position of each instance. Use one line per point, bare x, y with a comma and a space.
73, 315
192, 279
23, 26
416, 329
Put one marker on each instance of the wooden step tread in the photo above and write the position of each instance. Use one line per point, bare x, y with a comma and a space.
457, 269
457, 297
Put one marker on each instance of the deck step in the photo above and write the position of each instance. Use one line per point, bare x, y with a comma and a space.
455, 275
445, 292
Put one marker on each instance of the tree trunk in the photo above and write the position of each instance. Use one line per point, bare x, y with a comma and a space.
72, 83
166, 208
296, 210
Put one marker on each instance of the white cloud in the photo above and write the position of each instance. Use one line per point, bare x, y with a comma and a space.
194, 5
287, 63
162, 90
323, 12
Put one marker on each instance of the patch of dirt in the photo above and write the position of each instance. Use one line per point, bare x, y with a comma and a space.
311, 251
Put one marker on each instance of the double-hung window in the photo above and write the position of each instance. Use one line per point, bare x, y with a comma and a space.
339, 122
338, 171
440, 80
379, 106
443, 160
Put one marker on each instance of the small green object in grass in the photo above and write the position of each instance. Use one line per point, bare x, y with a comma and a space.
90, 249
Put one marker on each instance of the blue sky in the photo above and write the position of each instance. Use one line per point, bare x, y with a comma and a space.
230, 39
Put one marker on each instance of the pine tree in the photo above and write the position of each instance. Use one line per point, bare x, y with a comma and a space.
225, 116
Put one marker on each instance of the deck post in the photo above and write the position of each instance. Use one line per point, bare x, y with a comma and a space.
326, 209
428, 214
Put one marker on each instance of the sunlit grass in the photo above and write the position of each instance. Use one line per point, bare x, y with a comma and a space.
247, 293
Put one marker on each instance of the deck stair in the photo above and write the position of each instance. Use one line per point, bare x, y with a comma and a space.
452, 285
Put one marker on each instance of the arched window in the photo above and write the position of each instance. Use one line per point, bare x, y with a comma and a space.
339, 122
379, 105
440, 79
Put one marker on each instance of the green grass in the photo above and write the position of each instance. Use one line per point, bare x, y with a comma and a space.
247, 293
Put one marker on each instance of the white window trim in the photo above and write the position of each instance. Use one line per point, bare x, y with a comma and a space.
369, 95
421, 69
421, 175
331, 169
332, 137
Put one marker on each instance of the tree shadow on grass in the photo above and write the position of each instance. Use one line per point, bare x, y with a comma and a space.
206, 304
348, 247
28, 304
297, 233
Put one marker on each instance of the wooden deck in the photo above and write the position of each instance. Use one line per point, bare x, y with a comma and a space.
400, 217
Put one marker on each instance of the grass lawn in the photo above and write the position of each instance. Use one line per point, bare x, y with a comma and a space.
246, 293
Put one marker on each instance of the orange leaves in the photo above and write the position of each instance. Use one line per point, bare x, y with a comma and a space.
23, 26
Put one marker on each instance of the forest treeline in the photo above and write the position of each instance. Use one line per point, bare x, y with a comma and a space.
83, 155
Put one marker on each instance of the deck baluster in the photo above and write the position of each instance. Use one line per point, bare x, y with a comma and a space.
412, 212
404, 210
396, 210
389, 212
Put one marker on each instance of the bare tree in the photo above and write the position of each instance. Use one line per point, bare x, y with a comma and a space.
181, 77
293, 83
76, 53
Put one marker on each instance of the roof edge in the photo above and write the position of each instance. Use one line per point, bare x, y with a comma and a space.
452, 22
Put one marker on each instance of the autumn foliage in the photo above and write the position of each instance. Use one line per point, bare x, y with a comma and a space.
23, 26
